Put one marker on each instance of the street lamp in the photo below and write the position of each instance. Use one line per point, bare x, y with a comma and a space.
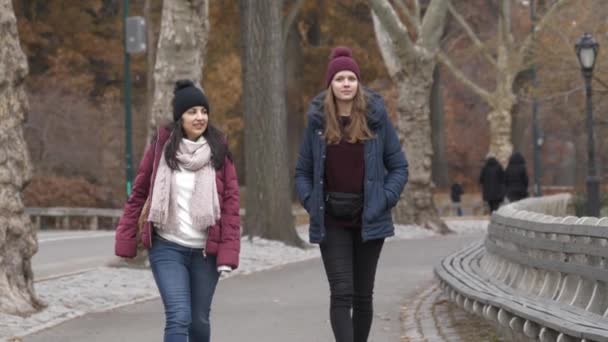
586, 51
134, 42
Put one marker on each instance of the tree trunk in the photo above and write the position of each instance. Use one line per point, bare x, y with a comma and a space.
180, 52
440, 160
499, 117
500, 134
17, 235
268, 202
411, 67
414, 127
295, 108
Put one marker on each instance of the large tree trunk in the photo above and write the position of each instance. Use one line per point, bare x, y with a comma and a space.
295, 107
440, 160
500, 134
500, 116
268, 202
17, 235
414, 127
180, 52
410, 64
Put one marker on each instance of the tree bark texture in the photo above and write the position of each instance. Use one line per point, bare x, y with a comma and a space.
440, 160
18, 242
295, 107
268, 200
410, 64
180, 52
414, 127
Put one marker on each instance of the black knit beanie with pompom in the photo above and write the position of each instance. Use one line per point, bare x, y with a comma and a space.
185, 96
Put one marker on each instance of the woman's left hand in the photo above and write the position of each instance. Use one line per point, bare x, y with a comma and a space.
224, 268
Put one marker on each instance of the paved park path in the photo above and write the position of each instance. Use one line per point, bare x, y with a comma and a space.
288, 303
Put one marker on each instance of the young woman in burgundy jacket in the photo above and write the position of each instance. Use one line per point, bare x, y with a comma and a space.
351, 171
193, 227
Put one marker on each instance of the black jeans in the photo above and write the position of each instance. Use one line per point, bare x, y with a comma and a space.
350, 265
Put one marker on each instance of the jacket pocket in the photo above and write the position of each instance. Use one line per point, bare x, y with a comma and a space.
306, 202
377, 203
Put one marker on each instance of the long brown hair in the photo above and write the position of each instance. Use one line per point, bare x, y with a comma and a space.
357, 130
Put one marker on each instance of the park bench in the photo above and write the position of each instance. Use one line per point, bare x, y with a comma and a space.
536, 277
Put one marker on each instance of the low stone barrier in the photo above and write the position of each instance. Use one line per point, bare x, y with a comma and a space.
64, 215
539, 275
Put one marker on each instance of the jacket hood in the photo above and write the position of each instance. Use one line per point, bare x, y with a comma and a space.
517, 159
492, 162
376, 111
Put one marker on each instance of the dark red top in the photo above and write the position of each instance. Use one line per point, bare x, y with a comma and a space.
344, 172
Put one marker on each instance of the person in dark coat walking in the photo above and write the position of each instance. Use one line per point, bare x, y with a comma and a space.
351, 171
455, 194
516, 178
492, 180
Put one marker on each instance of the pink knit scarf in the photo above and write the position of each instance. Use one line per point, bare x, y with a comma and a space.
204, 204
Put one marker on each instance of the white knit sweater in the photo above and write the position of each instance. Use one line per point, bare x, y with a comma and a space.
185, 234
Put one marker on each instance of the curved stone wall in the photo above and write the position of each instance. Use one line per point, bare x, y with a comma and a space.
541, 275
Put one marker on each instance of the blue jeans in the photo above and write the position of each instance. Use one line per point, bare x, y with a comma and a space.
186, 281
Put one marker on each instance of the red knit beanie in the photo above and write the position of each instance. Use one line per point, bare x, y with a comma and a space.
341, 58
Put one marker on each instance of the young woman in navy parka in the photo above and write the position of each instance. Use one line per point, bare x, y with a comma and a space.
350, 172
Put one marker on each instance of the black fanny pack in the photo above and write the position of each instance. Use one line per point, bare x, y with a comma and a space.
344, 205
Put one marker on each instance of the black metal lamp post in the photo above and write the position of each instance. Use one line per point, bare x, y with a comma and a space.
134, 42
586, 51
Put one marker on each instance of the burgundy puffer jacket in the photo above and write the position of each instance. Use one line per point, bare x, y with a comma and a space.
224, 239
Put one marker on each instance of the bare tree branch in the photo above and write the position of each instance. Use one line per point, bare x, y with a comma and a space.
290, 18
505, 13
414, 20
467, 28
553, 96
387, 47
445, 60
404, 47
433, 24
555, 7
417, 12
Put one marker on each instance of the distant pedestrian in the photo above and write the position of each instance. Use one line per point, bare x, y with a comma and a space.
455, 194
492, 180
350, 172
516, 178
192, 231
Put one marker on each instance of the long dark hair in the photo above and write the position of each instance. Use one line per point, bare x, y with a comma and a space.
215, 137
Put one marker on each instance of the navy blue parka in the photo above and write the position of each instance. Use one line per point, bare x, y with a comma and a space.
386, 171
